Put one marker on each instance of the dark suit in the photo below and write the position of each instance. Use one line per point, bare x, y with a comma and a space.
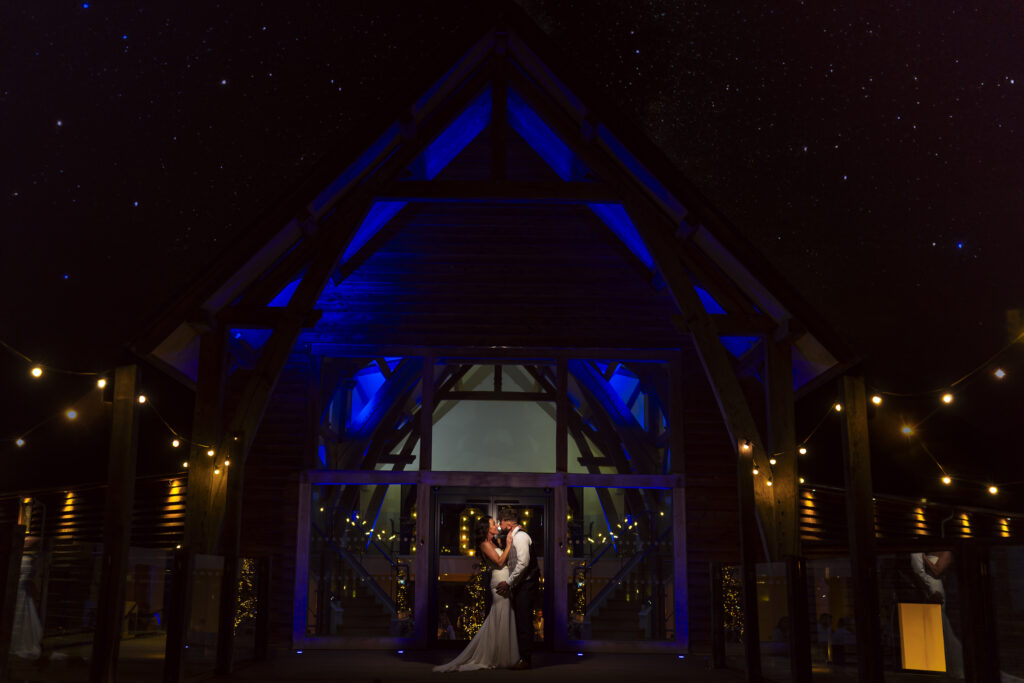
524, 593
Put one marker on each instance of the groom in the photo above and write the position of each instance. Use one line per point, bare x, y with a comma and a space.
523, 578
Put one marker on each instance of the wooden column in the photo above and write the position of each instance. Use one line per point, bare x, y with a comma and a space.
860, 520
204, 498
799, 620
264, 595
117, 526
559, 573
980, 639
12, 545
778, 361
748, 560
421, 563
677, 417
680, 571
562, 416
301, 586
427, 414
230, 544
179, 615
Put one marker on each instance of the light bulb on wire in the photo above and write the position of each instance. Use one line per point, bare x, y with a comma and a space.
947, 480
37, 371
999, 373
907, 430
142, 398
876, 399
947, 398
101, 383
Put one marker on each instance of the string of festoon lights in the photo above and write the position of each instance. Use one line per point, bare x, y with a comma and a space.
39, 370
943, 397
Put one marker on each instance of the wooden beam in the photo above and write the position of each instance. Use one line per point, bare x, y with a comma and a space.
117, 526
230, 545
423, 581
531, 396
262, 317
525, 480
860, 519
427, 414
499, 192
677, 401
562, 415
560, 568
680, 570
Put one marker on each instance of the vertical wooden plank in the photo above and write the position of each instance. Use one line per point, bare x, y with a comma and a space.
680, 573
230, 548
424, 582
117, 526
748, 557
202, 513
427, 414
860, 520
559, 572
562, 415
781, 435
302, 532
179, 614
12, 545
799, 620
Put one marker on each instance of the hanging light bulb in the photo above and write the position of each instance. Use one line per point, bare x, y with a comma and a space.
999, 373
745, 447
37, 371
838, 407
947, 480
803, 450
71, 413
876, 399
216, 471
210, 452
185, 464
772, 461
993, 490
907, 430
19, 442
769, 482
757, 471
801, 480
227, 463
101, 383
175, 443
142, 398
947, 398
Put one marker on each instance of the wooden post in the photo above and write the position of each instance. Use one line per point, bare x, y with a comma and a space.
748, 561
12, 545
860, 520
179, 614
778, 360
559, 581
799, 620
204, 496
427, 415
676, 429
980, 640
117, 526
562, 416
300, 591
717, 617
680, 570
230, 549
424, 581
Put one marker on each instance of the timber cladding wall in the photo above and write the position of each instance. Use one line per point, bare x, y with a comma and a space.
271, 495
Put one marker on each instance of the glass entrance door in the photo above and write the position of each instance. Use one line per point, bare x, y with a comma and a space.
461, 598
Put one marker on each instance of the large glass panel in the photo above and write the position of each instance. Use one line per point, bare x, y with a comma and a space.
463, 592
201, 635
147, 592
833, 645
919, 602
360, 560
1006, 565
495, 418
773, 620
618, 420
621, 565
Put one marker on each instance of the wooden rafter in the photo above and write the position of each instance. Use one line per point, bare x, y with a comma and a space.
500, 192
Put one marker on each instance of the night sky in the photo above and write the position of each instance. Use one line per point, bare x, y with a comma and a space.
873, 155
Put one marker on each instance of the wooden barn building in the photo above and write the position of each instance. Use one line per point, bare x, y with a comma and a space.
502, 294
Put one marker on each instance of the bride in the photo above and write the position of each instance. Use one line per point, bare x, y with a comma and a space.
494, 645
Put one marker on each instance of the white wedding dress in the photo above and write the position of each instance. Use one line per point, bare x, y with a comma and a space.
495, 644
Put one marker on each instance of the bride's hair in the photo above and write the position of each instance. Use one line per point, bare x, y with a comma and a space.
481, 530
